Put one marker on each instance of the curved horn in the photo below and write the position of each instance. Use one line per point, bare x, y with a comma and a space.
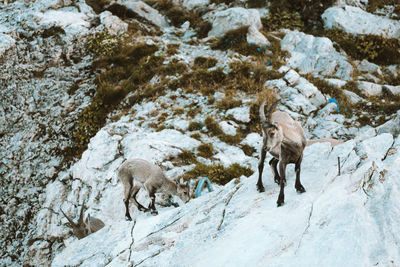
262, 113
269, 113
80, 221
69, 219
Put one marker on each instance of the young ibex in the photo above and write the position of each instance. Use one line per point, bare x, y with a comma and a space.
84, 227
285, 140
139, 173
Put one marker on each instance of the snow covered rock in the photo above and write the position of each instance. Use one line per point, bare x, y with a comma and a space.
366, 66
145, 11
370, 89
292, 77
240, 113
394, 90
190, 4
315, 55
311, 92
112, 23
6, 42
354, 20
234, 18
72, 22
255, 37
357, 211
228, 127
392, 126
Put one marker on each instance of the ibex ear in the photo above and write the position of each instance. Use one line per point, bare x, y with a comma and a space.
187, 183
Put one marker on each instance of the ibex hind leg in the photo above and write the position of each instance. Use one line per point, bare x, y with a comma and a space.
299, 187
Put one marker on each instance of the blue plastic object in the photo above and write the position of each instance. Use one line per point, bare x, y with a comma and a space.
200, 186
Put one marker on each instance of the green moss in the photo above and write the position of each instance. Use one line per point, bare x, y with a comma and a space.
104, 44
205, 150
282, 19
217, 173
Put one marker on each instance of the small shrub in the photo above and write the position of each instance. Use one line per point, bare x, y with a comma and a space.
104, 44
196, 136
172, 49
205, 150
204, 62
228, 103
217, 173
194, 125
175, 67
187, 157
256, 3
282, 19
248, 150
213, 127
374, 48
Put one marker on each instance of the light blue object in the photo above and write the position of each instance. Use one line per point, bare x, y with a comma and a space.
200, 186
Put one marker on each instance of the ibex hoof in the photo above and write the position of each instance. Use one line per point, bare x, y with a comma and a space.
280, 203
154, 212
300, 189
128, 218
260, 188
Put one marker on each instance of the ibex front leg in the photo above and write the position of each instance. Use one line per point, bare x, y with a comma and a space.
282, 174
260, 186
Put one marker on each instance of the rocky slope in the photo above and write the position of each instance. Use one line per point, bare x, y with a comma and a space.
50, 76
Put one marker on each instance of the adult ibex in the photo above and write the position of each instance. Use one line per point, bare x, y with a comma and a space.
84, 227
285, 140
139, 173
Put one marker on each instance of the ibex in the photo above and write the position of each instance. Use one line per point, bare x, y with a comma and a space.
84, 228
285, 140
139, 173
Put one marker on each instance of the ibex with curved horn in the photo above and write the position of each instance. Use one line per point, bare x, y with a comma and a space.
285, 140
84, 227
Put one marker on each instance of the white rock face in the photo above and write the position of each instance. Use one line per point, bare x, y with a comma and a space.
392, 126
6, 42
240, 113
353, 210
370, 89
315, 55
112, 23
72, 22
189, 4
292, 77
311, 92
228, 127
356, 21
353, 97
394, 90
234, 18
145, 11
366, 66
255, 37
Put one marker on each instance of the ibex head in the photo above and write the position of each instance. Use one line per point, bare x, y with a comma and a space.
272, 133
80, 229
183, 190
